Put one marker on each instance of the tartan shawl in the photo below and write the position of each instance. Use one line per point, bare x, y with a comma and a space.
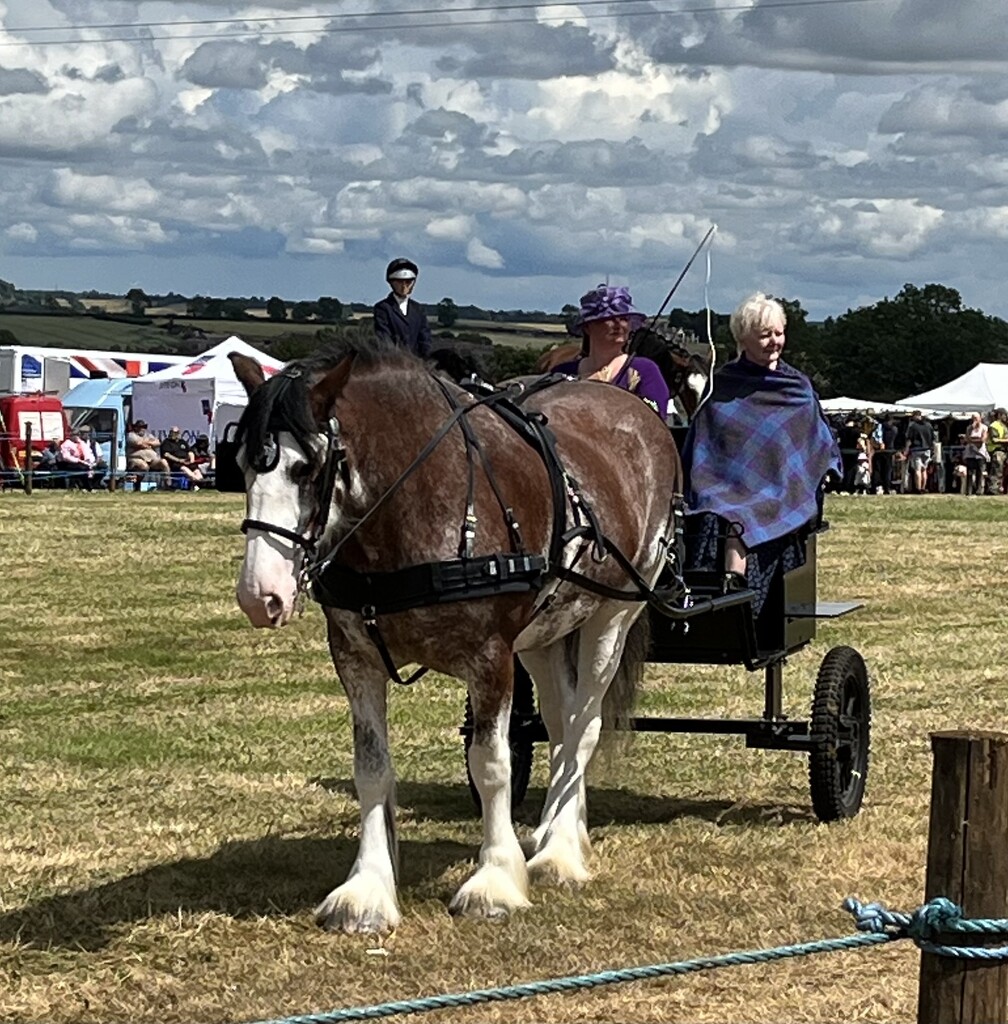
758, 449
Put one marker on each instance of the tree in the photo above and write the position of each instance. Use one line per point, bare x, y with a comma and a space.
447, 312
330, 309
570, 314
911, 343
137, 298
276, 308
304, 311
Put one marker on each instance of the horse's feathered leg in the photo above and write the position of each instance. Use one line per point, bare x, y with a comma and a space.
553, 669
564, 844
366, 901
500, 882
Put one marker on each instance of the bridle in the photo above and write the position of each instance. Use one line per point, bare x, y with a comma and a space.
334, 465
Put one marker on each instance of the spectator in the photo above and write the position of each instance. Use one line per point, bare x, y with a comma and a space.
202, 459
77, 460
847, 437
975, 453
142, 451
997, 451
397, 318
862, 471
882, 460
176, 453
89, 442
919, 438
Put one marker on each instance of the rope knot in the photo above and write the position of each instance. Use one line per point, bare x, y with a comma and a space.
868, 917
935, 917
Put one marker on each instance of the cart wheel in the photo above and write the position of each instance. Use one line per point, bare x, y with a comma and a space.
519, 739
840, 730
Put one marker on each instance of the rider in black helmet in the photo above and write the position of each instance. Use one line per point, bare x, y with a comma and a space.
397, 318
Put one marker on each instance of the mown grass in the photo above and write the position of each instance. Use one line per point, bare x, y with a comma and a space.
175, 790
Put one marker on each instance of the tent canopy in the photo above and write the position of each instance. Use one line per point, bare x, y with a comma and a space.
981, 389
859, 405
191, 395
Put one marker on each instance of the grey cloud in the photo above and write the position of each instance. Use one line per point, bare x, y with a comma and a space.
436, 124
227, 65
535, 52
21, 80
920, 34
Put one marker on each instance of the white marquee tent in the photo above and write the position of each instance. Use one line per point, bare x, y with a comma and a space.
981, 389
201, 396
858, 405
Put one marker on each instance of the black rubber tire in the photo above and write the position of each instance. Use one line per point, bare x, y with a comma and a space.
840, 731
519, 739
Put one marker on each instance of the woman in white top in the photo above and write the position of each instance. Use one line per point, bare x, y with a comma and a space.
975, 454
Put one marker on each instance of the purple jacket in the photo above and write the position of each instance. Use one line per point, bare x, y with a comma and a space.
639, 375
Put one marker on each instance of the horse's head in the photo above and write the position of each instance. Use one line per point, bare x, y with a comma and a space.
290, 454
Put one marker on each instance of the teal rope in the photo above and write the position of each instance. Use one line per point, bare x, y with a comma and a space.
586, 981
927, 923
878, 925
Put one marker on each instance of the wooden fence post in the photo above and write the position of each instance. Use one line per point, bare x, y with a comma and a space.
968, 863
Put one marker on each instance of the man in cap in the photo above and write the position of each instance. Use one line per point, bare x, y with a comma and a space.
397, 318
142, 450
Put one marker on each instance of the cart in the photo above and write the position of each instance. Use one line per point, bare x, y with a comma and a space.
723, 631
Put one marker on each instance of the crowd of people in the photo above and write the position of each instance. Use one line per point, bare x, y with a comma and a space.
911, 454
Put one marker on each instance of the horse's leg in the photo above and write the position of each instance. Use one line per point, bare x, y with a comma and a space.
565, 845
500, 882
553, 671
366, 901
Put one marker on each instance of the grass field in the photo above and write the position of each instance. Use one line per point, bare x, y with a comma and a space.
175, 794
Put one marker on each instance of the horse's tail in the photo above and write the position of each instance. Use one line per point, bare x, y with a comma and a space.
621, 696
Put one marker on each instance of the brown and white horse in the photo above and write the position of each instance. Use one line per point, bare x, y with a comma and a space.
348, 457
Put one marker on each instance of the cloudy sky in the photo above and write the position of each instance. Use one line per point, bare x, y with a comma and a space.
519, 153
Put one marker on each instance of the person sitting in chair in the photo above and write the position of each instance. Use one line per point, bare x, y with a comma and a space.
605, 320
755, 457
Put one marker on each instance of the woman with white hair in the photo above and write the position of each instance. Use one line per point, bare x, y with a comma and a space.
755, 456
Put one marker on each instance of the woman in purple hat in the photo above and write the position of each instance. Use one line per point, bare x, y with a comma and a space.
605, 321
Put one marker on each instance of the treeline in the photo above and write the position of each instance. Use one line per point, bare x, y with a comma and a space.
921, 338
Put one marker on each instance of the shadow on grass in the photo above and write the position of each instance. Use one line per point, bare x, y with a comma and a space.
268, 877
282, 877
453, 802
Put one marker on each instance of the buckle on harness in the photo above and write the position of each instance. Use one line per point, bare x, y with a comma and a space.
369, 614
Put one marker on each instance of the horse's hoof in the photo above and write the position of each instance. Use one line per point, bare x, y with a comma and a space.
550, 867
344, 910
491, 895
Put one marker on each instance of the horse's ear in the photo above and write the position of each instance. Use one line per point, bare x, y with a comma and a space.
325, 391
248, 371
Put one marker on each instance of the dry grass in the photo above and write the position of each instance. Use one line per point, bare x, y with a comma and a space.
174, 791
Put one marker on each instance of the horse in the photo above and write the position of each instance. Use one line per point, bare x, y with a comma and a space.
686, 373
433, 532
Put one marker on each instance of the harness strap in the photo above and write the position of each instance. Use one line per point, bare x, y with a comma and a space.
374, 633
280, 531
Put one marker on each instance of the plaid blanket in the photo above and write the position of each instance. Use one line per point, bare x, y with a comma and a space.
757, 450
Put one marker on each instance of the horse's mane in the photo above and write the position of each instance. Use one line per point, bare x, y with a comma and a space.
282, 402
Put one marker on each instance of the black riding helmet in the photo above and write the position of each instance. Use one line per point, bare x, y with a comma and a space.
401, 270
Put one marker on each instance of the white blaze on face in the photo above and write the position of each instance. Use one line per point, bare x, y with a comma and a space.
267, 583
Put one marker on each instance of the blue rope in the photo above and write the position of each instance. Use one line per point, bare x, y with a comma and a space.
586, 981
878, 925
926, 924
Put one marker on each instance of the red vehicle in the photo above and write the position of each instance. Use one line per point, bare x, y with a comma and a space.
48, 423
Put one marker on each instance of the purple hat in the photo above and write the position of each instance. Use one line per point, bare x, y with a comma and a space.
606, 303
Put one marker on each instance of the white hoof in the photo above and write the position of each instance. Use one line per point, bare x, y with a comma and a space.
359, 905
491, 893
557, 864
